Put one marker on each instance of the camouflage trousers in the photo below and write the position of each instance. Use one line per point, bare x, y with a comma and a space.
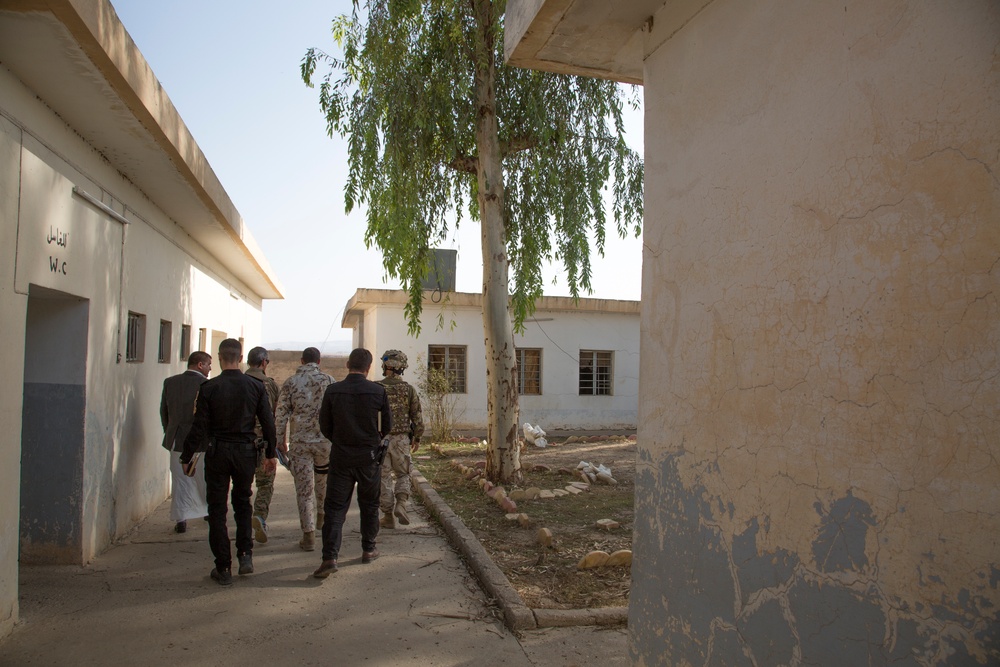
264, 482
310, 485
396, 464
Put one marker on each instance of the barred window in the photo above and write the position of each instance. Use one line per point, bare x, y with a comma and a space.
166, 334
185, 342
529, 371
595, 372
451, 360
135, 337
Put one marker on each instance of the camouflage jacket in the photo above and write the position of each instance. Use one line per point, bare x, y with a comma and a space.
271, 387
404, 402
299, 403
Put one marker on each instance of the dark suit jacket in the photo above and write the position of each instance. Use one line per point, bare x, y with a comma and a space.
177, 407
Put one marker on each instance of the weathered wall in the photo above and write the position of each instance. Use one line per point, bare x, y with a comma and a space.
819, 479
59, 248
12, 314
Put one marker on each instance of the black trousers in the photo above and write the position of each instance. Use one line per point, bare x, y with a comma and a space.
340, 484
225, 462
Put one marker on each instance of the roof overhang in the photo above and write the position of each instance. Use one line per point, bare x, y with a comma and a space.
77, 57
593, 38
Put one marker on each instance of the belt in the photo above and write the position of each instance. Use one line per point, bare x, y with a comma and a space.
234, 443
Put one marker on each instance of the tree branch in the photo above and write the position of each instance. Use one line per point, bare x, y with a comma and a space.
516, 145
464, 163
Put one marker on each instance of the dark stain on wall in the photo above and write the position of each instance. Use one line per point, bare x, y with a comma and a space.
837, 626
840, 545
698, 600
685, 576
759, 571
768, 634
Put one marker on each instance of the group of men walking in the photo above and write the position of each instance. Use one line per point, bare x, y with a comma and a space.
338, 434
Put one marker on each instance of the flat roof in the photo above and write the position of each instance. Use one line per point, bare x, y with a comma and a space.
368, 298
77, 57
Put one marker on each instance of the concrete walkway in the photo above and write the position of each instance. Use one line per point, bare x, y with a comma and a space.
149, 601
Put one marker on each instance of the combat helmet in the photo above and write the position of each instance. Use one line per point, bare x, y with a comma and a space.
394, 360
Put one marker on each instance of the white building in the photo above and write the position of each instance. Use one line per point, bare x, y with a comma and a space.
578, 363
819, 424
120, 253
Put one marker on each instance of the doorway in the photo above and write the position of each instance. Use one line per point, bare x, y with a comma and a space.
52, 427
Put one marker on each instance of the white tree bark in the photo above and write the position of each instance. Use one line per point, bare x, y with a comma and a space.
503, 460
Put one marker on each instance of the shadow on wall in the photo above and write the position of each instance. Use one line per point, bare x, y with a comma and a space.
141, 467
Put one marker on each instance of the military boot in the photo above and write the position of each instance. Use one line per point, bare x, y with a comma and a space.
387, 521
400, 510
308, 541
319, 520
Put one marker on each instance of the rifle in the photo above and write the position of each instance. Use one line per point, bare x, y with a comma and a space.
378, 454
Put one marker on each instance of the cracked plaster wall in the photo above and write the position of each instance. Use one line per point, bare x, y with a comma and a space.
818, 477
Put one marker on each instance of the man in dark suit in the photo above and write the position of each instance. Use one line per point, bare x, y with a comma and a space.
224, 421
187, 498
355, 417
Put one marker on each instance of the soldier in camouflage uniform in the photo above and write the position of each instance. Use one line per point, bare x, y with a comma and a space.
407, 427
308, 451
257, 361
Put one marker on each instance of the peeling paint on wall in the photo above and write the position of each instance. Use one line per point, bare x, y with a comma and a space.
819, 472
707, 596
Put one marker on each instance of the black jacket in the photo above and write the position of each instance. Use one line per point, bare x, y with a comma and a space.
225, 410
349, 419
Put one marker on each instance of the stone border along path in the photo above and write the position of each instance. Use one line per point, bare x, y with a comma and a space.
517, 615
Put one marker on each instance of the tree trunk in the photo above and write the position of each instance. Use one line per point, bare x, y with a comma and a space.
502, 460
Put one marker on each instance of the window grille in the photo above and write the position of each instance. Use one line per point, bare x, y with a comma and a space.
135, 337
451, 360
596, 371
529, 371
166, 333
185, 342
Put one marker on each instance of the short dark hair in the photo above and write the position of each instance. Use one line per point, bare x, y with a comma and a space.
230, 350
256, 356
198, 357
360, 360
311, 355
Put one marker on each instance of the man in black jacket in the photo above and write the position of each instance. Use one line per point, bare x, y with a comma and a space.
224, 422
354, 417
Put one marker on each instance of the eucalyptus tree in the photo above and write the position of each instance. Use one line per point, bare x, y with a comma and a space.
437, 127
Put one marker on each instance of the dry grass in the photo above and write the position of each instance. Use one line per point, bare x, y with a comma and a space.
548, 578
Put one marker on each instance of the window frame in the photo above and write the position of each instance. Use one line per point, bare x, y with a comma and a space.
135, 338
185, 346
520, 354
165, 342
601, 382
462, 369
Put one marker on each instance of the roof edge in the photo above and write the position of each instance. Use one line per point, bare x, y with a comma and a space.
95, 26
364, 298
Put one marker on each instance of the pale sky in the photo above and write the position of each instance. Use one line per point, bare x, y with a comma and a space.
232, 70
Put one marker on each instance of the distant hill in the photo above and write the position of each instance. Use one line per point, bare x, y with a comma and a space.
284, 362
